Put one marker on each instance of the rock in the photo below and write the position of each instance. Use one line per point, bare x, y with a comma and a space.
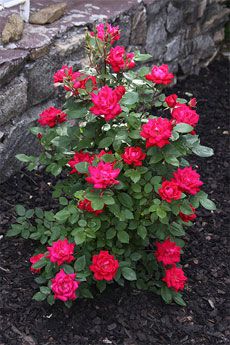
156, 36
13, 29
13, 99
124, 23
173, 49
174, 18
48, 14
139, 27
155, 7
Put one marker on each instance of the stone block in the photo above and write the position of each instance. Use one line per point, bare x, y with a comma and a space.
139, 27
155, 7
124, 22
18, 139
13, 99
173, 49
156, 37
11, 63
13, 29
174, 18
48, 14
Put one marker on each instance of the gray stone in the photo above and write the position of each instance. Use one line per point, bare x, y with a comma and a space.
155, 7
174, 18
201, 8
156, 37
11, 63
48, 14
13, 99
13, 29
204, 46
139, 27
20, 140
124, 23
216, 15
40, 79
173, 49
68, 45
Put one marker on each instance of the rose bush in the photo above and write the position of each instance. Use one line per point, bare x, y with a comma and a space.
126, 193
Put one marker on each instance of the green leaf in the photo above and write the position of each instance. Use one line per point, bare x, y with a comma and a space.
176, 229
141, 57
45, 290
80, 263
183, 128
82, 167
128, 273
208, 204
203, 151
40, 263
135, 256
142, 232
79, 236
105, 142
172, 160
111, 233
23, 158
97, 204
133, 174
130, 98
148, 188
86, 293
38, 212
108, 158
62, 215
68, 269
50, 299
179, 300
166, 294
123, 236
39, 297
101, 285
20, 210
161, 212
63, 201
15, 230
125, 199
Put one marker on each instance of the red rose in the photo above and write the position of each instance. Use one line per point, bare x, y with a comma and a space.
120, 60
160, 75
133, 155
107, 33
120, 91
175, 278
157, 132
106, 103
39, 136
192, 103
171, 100
104, 266
188, 217
64, 74
167, 252
188, 180
51, 117
33, 261
169, 191
61, 251
184, 114
64, 286
103, 175
78, 158
86, 205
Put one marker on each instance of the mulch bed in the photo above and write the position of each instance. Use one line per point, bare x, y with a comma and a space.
123, 316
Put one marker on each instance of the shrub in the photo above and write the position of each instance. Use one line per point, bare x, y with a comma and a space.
126, 192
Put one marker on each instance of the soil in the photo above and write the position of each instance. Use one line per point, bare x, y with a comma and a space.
124, 316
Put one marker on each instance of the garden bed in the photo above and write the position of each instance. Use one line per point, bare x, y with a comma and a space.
123, 316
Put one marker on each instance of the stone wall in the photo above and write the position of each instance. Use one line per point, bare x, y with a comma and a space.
185, 34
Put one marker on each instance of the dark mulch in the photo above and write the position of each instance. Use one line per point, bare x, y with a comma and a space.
122, 316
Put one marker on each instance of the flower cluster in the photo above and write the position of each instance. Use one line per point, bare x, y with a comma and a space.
118, 145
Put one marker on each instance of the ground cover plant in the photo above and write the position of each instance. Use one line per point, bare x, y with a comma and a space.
126, 191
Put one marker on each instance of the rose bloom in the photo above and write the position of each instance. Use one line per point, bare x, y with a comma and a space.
120, 60
188, 180
133, 155
81, 81
169, 191
157, 132
184, 114
39, 136
192, 103
106, 103
78, 158
188, 217
64, 74
51, 117
102, 153
86, 205
35, 259
175, 278
61, 251
160, 75
107, 33
167, 252
103, 175
64, 286
171, 100
104, 266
